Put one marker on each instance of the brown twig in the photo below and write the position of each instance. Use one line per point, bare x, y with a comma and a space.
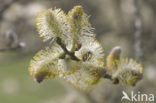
104, 74
59, 41
11, 48
108, 76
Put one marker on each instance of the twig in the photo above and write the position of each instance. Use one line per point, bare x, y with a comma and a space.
10, 49
58, 40
108, 76
104, 74
4, 49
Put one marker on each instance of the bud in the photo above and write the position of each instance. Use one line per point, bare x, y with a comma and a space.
113, 59
11, 39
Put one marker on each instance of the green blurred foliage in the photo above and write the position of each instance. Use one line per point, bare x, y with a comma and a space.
17, 86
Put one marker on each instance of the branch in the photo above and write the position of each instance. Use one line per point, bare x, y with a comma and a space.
58, 40
10, 48
105, 75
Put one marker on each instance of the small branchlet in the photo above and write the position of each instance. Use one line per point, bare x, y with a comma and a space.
104, 74
12, 42
72, 55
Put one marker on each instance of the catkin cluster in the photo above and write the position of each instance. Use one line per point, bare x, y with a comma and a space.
74, 54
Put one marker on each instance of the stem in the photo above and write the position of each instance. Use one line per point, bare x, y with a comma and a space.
105, 75
9, 49
4, 49
58, 40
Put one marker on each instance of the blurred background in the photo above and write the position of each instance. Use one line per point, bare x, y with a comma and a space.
130, 24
